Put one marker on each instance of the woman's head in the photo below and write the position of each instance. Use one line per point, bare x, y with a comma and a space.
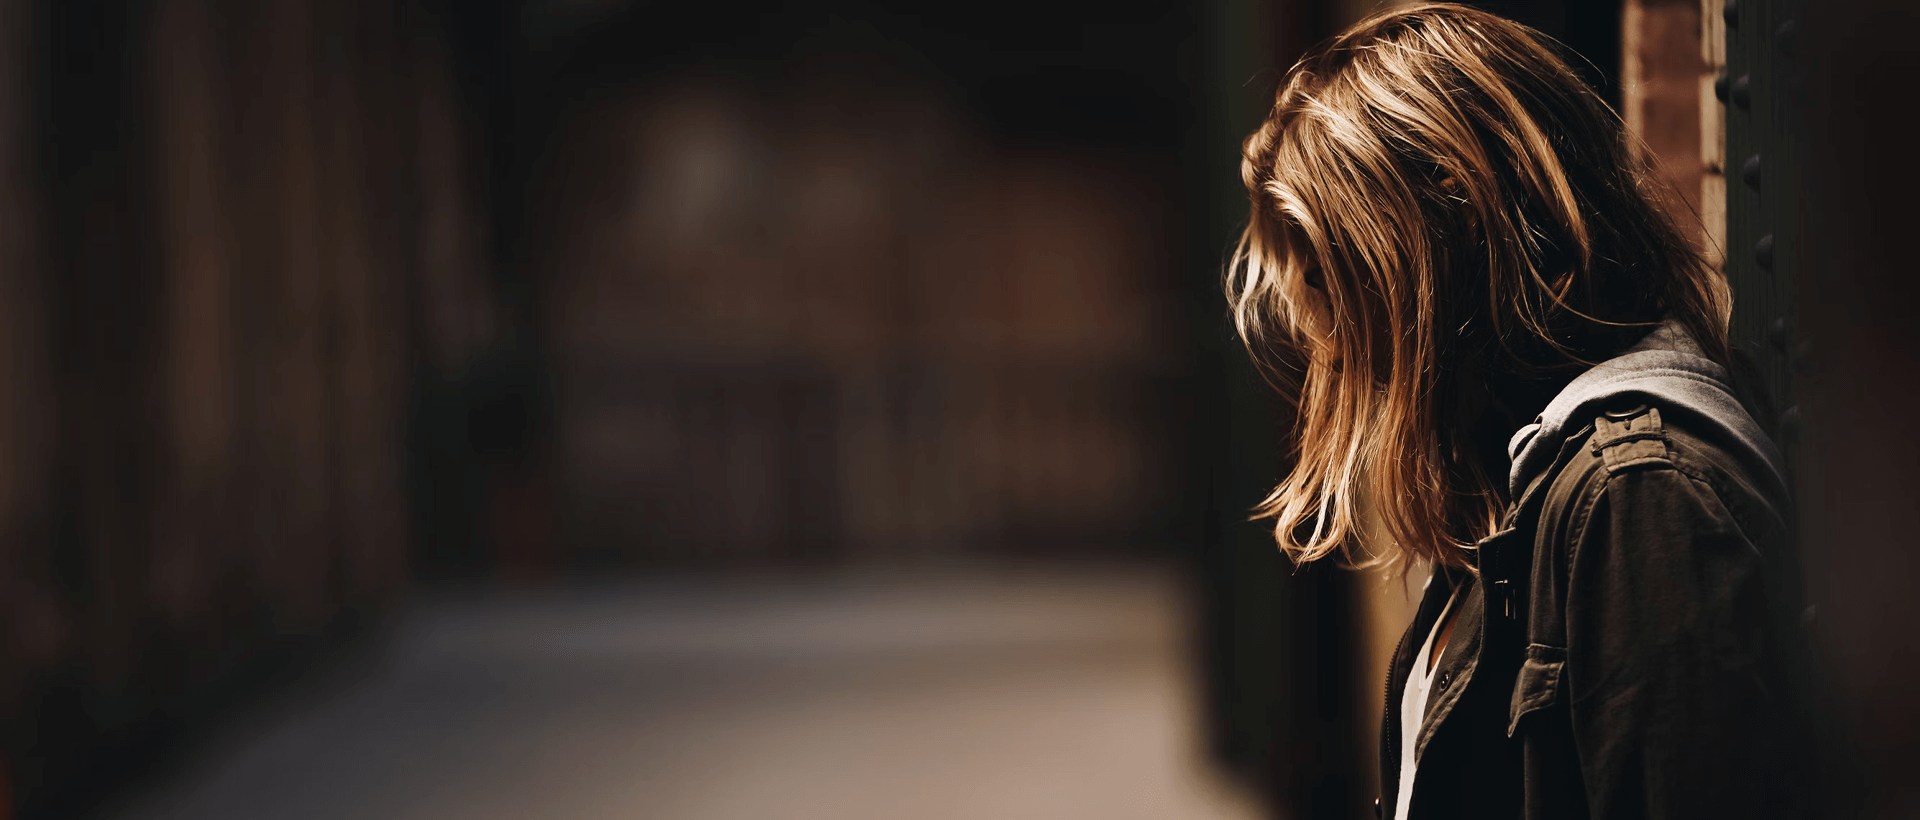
1440, 206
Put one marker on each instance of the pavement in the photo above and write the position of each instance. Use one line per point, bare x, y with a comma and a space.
1002, 693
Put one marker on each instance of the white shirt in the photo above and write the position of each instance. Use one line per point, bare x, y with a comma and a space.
1413, 708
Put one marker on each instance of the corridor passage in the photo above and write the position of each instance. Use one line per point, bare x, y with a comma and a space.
923, 694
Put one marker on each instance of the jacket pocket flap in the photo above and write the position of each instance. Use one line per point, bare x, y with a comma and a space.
1539, 683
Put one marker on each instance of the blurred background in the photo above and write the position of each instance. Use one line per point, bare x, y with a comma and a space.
615, 408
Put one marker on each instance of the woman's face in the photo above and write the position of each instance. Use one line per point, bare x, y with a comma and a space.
1312, 310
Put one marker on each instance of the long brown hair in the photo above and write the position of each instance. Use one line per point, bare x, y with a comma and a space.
1439, 203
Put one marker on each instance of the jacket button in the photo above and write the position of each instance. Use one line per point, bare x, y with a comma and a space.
1376, 809
1445, 676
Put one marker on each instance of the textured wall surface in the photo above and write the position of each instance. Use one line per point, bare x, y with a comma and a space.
220, 220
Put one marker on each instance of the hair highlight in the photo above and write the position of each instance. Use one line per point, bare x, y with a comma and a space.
1438, 203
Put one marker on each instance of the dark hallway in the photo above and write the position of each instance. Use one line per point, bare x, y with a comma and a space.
613, 408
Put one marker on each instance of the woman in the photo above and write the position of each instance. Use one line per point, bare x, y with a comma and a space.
1510, 365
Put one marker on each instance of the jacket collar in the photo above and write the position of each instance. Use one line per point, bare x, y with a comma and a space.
1667, 367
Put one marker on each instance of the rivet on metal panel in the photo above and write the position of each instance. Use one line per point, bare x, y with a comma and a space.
1750, 172
1731, 13
1763, 252
1784, 36
1742, 91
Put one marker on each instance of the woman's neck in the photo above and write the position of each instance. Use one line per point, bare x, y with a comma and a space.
1514, 401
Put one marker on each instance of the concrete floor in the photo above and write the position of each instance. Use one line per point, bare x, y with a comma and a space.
926, 694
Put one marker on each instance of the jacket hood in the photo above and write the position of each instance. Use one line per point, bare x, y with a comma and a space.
1666, 368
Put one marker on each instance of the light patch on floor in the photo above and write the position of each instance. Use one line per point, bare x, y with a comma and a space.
960, 692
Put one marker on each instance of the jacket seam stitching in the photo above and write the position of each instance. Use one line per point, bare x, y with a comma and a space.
1583, 519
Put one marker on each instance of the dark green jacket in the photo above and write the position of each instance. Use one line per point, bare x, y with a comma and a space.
1631, 646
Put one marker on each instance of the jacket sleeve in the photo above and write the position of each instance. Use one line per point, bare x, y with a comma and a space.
1671, 634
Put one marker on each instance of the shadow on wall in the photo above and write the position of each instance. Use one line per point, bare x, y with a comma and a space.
218, 221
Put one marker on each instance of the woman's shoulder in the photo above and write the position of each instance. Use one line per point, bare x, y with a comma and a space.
1636, 435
